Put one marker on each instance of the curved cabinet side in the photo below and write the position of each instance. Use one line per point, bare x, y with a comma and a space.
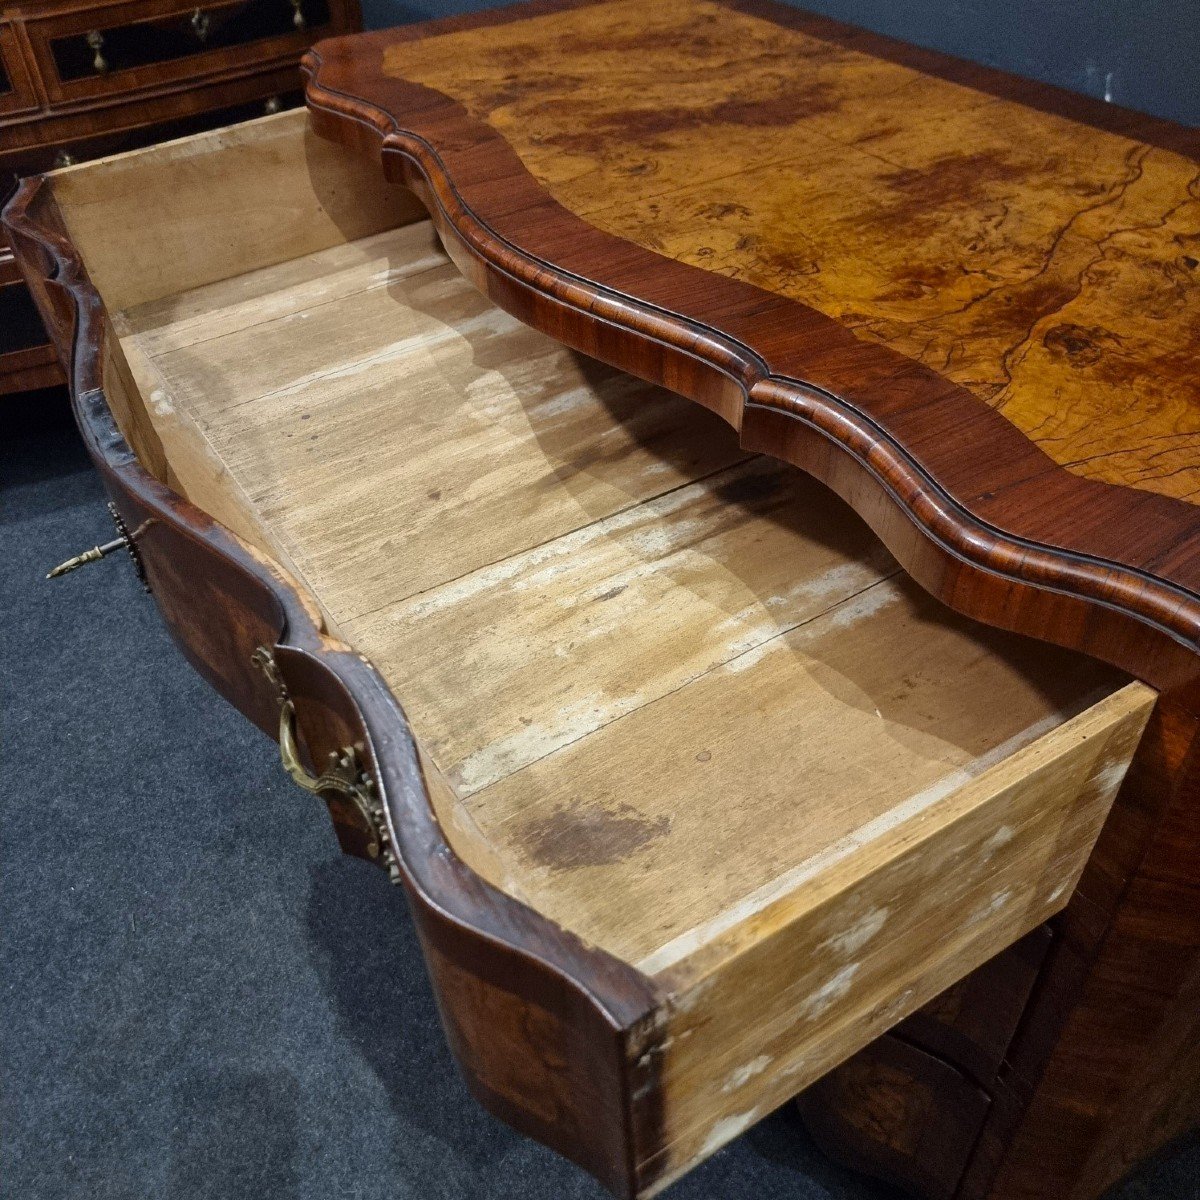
545, 1029
1131, 618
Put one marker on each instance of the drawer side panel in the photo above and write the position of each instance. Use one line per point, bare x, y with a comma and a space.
818, 973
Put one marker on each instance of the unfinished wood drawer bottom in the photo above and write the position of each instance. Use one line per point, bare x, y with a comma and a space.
676, 698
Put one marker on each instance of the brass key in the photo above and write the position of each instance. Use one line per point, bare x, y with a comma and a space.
124, 539
95, 554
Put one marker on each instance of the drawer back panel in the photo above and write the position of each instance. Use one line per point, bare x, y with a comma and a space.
195, 211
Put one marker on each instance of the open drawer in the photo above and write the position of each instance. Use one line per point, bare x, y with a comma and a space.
693, 793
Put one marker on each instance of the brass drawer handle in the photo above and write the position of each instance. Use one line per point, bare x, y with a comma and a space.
344, 776
272, 105
200, 24
298, 17
95, 41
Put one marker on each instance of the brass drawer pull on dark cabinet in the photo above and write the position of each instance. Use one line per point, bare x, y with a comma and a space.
95, 41
345, 775
298, 17
124, 539
200, 24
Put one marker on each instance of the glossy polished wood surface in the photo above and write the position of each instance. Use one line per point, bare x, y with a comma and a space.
682, 757
1051, 269
968, 303
985, 305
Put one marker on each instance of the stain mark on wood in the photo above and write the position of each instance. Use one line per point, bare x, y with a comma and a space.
591, 834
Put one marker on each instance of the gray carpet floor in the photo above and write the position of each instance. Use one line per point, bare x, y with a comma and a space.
201, 996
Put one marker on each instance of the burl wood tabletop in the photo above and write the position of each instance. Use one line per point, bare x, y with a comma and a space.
1048, 267
985, 291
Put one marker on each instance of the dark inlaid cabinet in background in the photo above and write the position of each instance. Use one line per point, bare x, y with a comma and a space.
81, 81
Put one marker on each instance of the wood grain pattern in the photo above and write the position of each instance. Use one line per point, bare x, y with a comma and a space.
181, 86
640, 942
914, 1106
1023, 535
296, 394
972, 1024
783, 997
621, 794
1102, 1071
1051, 269
137, 260
930, 329
621, 506
559, 1001
1106, 1070
913, 1117
362, 413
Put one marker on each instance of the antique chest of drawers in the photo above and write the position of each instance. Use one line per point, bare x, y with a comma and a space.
492, 513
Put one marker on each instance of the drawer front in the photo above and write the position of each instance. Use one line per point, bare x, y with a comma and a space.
17, 94
900, 1115
84, 133
70, 151
219, 599
973, 1023
207, 587
20, 326
29, 370
25, 358
147, 44
535, 1014
27, 361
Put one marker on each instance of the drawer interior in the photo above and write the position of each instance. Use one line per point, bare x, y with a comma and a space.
621, 640
675, 696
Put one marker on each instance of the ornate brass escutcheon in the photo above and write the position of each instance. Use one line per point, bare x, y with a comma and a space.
345, 775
